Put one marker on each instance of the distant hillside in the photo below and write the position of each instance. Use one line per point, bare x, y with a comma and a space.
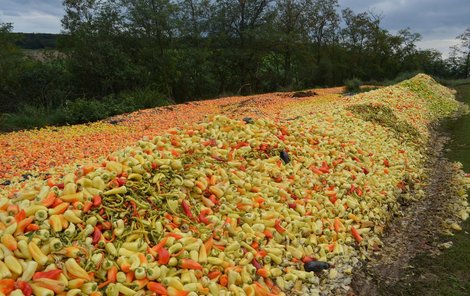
37, 40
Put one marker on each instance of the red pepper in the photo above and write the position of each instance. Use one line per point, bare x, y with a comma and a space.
211, 142
324, 168
134, 207
306, 259
96, 201
277, 179
175, 235
352, 189
256, 263
6, 286
333, 198
51, 274
121, 181
356, 234
187, 209
202, 217
20, 216
25, 288
278, 227
96, 235
359, 191
263, 147
157, 288
190, 264
241, 144
366, 171
386, 163
213, 199
163, 256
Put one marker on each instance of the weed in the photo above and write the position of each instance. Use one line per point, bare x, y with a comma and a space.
384, 116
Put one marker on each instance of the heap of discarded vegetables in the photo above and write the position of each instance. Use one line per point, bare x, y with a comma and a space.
226, 207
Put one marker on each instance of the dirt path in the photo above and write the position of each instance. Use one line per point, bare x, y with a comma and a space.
416, 231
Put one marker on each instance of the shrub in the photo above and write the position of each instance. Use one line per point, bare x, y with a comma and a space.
83, 110
143, 98
353, 85
30, 116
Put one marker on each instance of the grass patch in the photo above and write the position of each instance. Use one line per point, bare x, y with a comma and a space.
384, 116
459, 129
446, 274
454, 83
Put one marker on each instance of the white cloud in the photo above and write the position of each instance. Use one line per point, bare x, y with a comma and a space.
442, 45
41, 16
389, 6
34, 22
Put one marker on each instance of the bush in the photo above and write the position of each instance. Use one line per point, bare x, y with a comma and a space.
353, 85
30, 116
141, 99
81, 110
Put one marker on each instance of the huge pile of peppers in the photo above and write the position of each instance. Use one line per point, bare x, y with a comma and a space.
226, 207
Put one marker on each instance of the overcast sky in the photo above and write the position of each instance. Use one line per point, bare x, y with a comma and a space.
438, 21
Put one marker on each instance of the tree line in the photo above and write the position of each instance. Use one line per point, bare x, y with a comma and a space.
193, 49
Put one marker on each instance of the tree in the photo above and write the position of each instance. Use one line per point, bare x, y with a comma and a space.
322, 22
11, 65
290, 24
96, 46
240, 28
153, 26
461, 52
194, 20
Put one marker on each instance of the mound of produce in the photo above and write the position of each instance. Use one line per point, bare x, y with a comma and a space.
37, 152
228, 207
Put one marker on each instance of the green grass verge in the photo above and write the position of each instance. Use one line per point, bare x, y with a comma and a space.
460, 131
449, 273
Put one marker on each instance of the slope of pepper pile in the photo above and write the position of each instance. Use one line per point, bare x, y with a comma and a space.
226, 207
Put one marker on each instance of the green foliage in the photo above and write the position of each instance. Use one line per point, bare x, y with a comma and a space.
29, 117
48, 83
353, 85
11, 67
453, 82
88, 110
80, 110
36, 40
460, 129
